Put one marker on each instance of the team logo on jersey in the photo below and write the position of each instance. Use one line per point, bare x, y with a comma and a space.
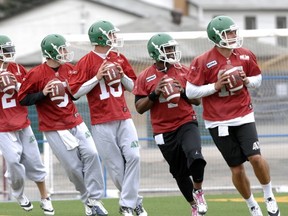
211, 64
192, 68
244, 57
256, 145
135, 144
73, 72
87, 134
150, 78
120, 61
32, 139
76, 115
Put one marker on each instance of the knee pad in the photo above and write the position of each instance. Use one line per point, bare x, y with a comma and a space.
197, 170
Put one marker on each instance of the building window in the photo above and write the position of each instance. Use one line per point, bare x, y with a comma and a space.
250, 22
281, 22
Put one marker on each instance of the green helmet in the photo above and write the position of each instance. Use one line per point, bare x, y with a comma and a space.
7, 49
156, 48
102, 33
217, 31
54, 46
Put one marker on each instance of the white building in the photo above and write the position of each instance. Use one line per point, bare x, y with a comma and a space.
75, 16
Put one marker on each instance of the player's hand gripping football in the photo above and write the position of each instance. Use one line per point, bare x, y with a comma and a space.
102, 71
12, 76
222, 81
178, 84
244, 77
48, 88
159, 87
120, 69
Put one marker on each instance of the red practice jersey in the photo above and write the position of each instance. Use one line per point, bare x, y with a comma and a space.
51, 116
165, 116
223, 105
105, 103
13, 116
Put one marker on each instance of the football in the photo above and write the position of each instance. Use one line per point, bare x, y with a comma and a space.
58, 92
235, 82
7, 83
171, 92
113, 77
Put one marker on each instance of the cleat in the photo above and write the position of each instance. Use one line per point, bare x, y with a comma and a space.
25, 203
126, 211
88, 211
47, 206
194, 210
140, 211
198, 196
272, 207
96, 207
255, 211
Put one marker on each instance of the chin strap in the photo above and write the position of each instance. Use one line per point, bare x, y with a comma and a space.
2, 67
163, 69
178, 65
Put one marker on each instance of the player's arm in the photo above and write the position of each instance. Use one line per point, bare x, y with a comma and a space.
33, 98
194, 91
144, 103
194, 101
87, 86
127, 82
252, 81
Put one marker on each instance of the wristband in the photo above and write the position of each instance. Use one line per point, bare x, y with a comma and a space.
183, 94
153, 96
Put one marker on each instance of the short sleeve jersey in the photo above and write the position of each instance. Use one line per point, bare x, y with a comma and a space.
223, 105
165, 116
51, 116
105, 103
13, 116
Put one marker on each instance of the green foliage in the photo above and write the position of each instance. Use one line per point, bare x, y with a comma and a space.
219, 205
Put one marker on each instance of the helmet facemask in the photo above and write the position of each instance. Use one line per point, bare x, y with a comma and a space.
7, 52
229, 43
163, 48
223, 32
171, 57
111, 39
60, 53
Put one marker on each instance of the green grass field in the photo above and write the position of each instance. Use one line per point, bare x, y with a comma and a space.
219, 205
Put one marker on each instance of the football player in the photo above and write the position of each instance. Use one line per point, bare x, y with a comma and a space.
228, 116
112, 127
63, 127
174, 126
17, 141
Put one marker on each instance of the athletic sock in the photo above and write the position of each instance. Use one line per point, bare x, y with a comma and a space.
251, 201
267, 190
